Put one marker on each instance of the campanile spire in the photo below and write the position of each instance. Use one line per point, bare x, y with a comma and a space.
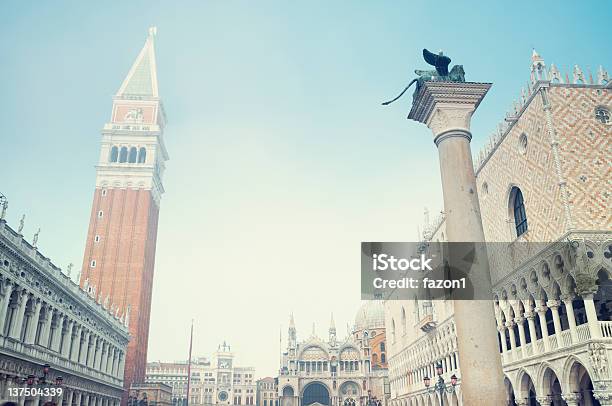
119, 257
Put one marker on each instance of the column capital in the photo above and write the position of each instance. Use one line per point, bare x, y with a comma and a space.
544, 400
529, 315
519, 320
572, 398
604, 397
447, 107
541, 309
553, 303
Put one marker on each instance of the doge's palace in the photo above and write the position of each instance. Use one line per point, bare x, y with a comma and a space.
544, 190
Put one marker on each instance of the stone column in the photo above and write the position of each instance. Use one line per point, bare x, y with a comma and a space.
79, 396
66, 339
571, 319
19, 313
520, 321
447, 108
44, 332
69, 398
532, 330
541, 310
98, 358
6, 383
84, 348
121, 366
57, 333
510, 326
591, 314
553, 305
86, 399
75, 343
33, 324
5, 298
104, 357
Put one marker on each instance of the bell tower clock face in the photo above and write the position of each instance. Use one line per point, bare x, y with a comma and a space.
225, 364
222, 396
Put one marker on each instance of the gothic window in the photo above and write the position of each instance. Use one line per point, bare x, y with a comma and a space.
142, 155
403, 321
97, 238
93, 263
113, 154
383, 358
602, 115
518, 210
382, 347
123, 155
132, 158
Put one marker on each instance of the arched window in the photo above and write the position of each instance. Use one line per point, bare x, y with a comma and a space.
518, 210
403, 321
113, 154
123, 155
142, 155
133, 153
393, 330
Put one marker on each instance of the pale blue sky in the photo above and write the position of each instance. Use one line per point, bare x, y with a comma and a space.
276, 137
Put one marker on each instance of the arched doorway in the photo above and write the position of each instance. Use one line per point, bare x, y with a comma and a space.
551, 386
315, 392
580, 382
527, 390
288, 395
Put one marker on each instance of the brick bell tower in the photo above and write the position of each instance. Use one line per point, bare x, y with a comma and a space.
119, 257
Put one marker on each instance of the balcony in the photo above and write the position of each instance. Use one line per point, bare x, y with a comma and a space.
556, 343
41, 355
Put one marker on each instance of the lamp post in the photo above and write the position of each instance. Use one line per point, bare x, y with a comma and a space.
42, 380
440, 386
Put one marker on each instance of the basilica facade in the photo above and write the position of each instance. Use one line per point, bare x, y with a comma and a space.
544, 192
337, 372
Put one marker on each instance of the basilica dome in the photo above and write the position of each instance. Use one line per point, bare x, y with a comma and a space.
371, 315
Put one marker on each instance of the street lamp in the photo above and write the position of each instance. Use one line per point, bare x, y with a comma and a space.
440, 386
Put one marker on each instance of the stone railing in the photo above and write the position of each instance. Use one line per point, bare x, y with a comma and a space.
556, 342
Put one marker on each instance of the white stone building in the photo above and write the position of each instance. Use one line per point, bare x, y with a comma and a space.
267, 392
46, 319
544, 177
331, 371
217, 382
173, 374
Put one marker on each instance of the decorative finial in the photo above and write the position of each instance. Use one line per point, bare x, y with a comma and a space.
4, 207
578, 75
79, 275
602, 76
35, 239
21, 224
152, 31
69, 269
555, 75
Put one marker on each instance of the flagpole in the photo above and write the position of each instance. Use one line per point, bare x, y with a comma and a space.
189, 365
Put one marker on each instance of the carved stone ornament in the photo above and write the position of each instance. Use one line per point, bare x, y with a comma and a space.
599, 360
447, 118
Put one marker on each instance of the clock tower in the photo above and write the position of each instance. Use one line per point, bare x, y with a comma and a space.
119, 257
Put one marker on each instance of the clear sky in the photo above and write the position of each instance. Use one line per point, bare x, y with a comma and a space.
282, 159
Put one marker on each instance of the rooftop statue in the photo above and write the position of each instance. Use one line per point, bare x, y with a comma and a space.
440, 62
